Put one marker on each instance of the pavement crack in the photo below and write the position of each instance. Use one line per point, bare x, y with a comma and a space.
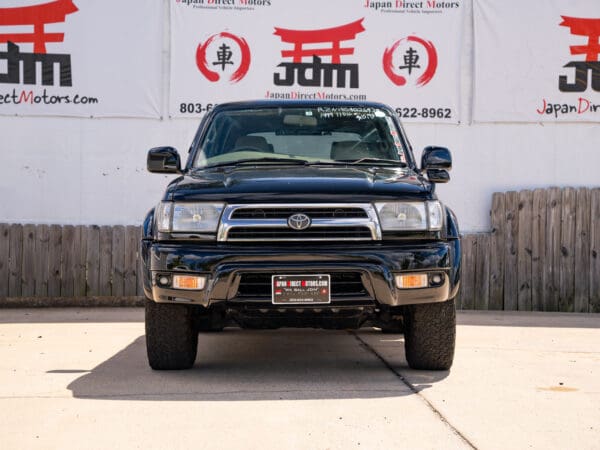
414, 390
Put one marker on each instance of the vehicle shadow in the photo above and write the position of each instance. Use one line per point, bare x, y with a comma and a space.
244, 365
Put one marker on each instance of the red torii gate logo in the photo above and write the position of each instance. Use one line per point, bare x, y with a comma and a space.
321, 73
38, 16
591, 29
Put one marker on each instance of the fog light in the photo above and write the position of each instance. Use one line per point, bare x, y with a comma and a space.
188, 282
163, 281
437, 279
411, 281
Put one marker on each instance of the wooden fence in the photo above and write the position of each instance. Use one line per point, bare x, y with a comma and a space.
542, 254
69, 261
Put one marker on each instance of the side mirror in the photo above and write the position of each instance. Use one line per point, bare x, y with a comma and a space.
163, 160
436, 161
438, 175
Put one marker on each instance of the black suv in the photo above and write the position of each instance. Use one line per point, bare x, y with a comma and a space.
301, 214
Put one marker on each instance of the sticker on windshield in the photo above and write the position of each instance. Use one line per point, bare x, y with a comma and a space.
357, 113
397, 143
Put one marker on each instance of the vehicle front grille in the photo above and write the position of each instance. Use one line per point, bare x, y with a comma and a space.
321, 233
284, 213
343, 285
326, 222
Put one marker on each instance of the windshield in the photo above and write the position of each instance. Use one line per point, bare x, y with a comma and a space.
321, 134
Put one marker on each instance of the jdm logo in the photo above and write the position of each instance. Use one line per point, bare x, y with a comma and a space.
589, 28
37, 17
229, 54
410, 59
324, 42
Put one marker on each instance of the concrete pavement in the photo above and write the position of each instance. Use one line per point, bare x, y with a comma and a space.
78, 378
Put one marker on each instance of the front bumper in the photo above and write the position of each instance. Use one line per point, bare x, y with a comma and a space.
377, 263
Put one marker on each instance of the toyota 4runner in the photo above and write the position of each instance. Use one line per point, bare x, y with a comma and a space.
301, 214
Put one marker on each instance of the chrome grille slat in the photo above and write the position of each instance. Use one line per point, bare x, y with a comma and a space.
332, 233
330, 222
284, 213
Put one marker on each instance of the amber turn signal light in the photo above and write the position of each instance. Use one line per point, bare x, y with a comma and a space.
412, 281
191, 282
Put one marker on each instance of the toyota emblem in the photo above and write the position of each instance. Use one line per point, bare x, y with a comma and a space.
299, 221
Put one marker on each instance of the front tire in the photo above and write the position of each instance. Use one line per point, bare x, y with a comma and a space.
171, 338
430, 335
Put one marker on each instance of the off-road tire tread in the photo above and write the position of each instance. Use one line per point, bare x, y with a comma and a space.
430, 335
171, 338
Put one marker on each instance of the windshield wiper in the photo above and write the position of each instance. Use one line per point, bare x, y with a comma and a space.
332, 162
393, 162
301, 162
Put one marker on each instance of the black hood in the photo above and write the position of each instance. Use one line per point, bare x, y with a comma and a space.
300, 184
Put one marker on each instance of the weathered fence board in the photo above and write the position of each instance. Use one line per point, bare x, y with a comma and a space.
4, 258
524, 244
15, 262
118, 260
54, 261
511, 228
551, 272
567, 250
105, 260
497, 252
582, 251
594, 303
482, 272
28, 271
538, 248
92, 260
467, 282
40, 262
80, 289
67, 282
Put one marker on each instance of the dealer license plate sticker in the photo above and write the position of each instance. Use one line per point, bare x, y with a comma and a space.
301, 289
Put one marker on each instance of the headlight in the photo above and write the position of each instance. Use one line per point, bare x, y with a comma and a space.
410, 216
163, 213
188, 217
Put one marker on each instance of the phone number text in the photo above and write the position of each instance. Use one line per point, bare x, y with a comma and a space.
195, 108
424, 113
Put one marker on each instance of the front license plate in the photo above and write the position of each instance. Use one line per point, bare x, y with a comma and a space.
300, 289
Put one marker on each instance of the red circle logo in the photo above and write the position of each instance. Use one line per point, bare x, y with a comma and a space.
411, 61
224, 57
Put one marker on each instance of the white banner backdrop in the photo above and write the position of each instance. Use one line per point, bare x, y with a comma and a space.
406, 54
537, 61
80, 57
